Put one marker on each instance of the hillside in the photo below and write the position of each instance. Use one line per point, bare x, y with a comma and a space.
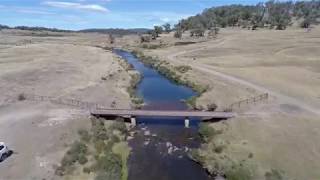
272, 14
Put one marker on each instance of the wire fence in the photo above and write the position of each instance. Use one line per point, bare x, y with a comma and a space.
62, 101
248, 101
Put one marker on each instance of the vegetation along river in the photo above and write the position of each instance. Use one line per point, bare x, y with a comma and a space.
160, 146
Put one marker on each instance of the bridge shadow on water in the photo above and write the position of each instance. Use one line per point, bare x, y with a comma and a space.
173, 121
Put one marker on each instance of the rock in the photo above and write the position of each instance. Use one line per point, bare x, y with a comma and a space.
168, 144
219, 178
147, 133
186, 149
146, 143
175, 148
170, 150
129, 138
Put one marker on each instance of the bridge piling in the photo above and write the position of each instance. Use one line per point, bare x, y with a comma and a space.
186, 122
133, 121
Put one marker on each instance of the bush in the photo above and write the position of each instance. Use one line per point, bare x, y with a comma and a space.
191, 102
21, 97
178, 34
195, 155
206, 132
212, 107
77, 153
87, 170
119, 125
110, 162
114, 139
137, 101
274, 175
183, 69
145, 38
98, 129
239, 172
218, 149
100, 146
82, 159
84, 135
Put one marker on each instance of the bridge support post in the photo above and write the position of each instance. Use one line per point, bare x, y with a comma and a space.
133, 121
186, 122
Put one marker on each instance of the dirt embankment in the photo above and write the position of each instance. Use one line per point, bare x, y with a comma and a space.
66, 66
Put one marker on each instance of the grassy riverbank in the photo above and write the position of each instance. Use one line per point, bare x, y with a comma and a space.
173, 73
135, 78
229, 159
101, 152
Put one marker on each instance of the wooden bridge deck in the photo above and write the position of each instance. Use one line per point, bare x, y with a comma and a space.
162, 113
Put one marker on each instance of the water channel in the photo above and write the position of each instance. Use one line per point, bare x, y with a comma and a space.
160, 145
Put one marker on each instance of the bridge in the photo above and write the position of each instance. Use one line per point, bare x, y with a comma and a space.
162, 113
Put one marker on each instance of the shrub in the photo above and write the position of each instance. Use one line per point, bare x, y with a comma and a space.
100, 146
145, 38
274, 175
195, 155
239, 172
87, 170
218, 149
60, 171
21, 97
178, 34
137, 101
82, 159
77, 153
110, 162
191, 102
206, 132
119, 125
212, 107
114, 139
183, 68
98, 129
84, 135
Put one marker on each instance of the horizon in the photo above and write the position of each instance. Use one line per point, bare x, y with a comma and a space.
103, 14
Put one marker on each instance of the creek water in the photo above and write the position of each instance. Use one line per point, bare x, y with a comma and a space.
160, 146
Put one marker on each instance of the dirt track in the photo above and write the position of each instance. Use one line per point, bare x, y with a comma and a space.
213, 71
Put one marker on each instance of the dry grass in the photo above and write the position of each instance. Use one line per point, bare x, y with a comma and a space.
281, 133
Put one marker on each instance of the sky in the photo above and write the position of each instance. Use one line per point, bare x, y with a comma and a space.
84, 14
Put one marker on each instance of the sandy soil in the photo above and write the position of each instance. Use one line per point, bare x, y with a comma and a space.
240, 64
65, 66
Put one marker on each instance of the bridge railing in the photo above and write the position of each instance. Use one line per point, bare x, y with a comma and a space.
248, 101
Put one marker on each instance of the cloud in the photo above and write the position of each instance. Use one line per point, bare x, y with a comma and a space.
70, 5
29, 11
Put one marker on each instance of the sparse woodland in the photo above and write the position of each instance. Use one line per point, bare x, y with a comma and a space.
272, 14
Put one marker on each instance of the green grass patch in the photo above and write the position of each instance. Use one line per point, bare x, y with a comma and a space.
170, 72
107, 155
123, 150
207, 133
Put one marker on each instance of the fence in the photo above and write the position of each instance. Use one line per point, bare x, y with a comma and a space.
63, 101
248, 101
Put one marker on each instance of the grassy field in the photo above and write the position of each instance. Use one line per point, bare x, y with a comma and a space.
281, 132
67, 65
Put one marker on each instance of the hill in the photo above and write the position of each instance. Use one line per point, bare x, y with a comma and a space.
272, 14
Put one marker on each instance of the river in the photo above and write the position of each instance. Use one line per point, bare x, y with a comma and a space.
160, 145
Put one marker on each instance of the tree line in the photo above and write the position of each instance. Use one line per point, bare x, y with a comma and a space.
272, 14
